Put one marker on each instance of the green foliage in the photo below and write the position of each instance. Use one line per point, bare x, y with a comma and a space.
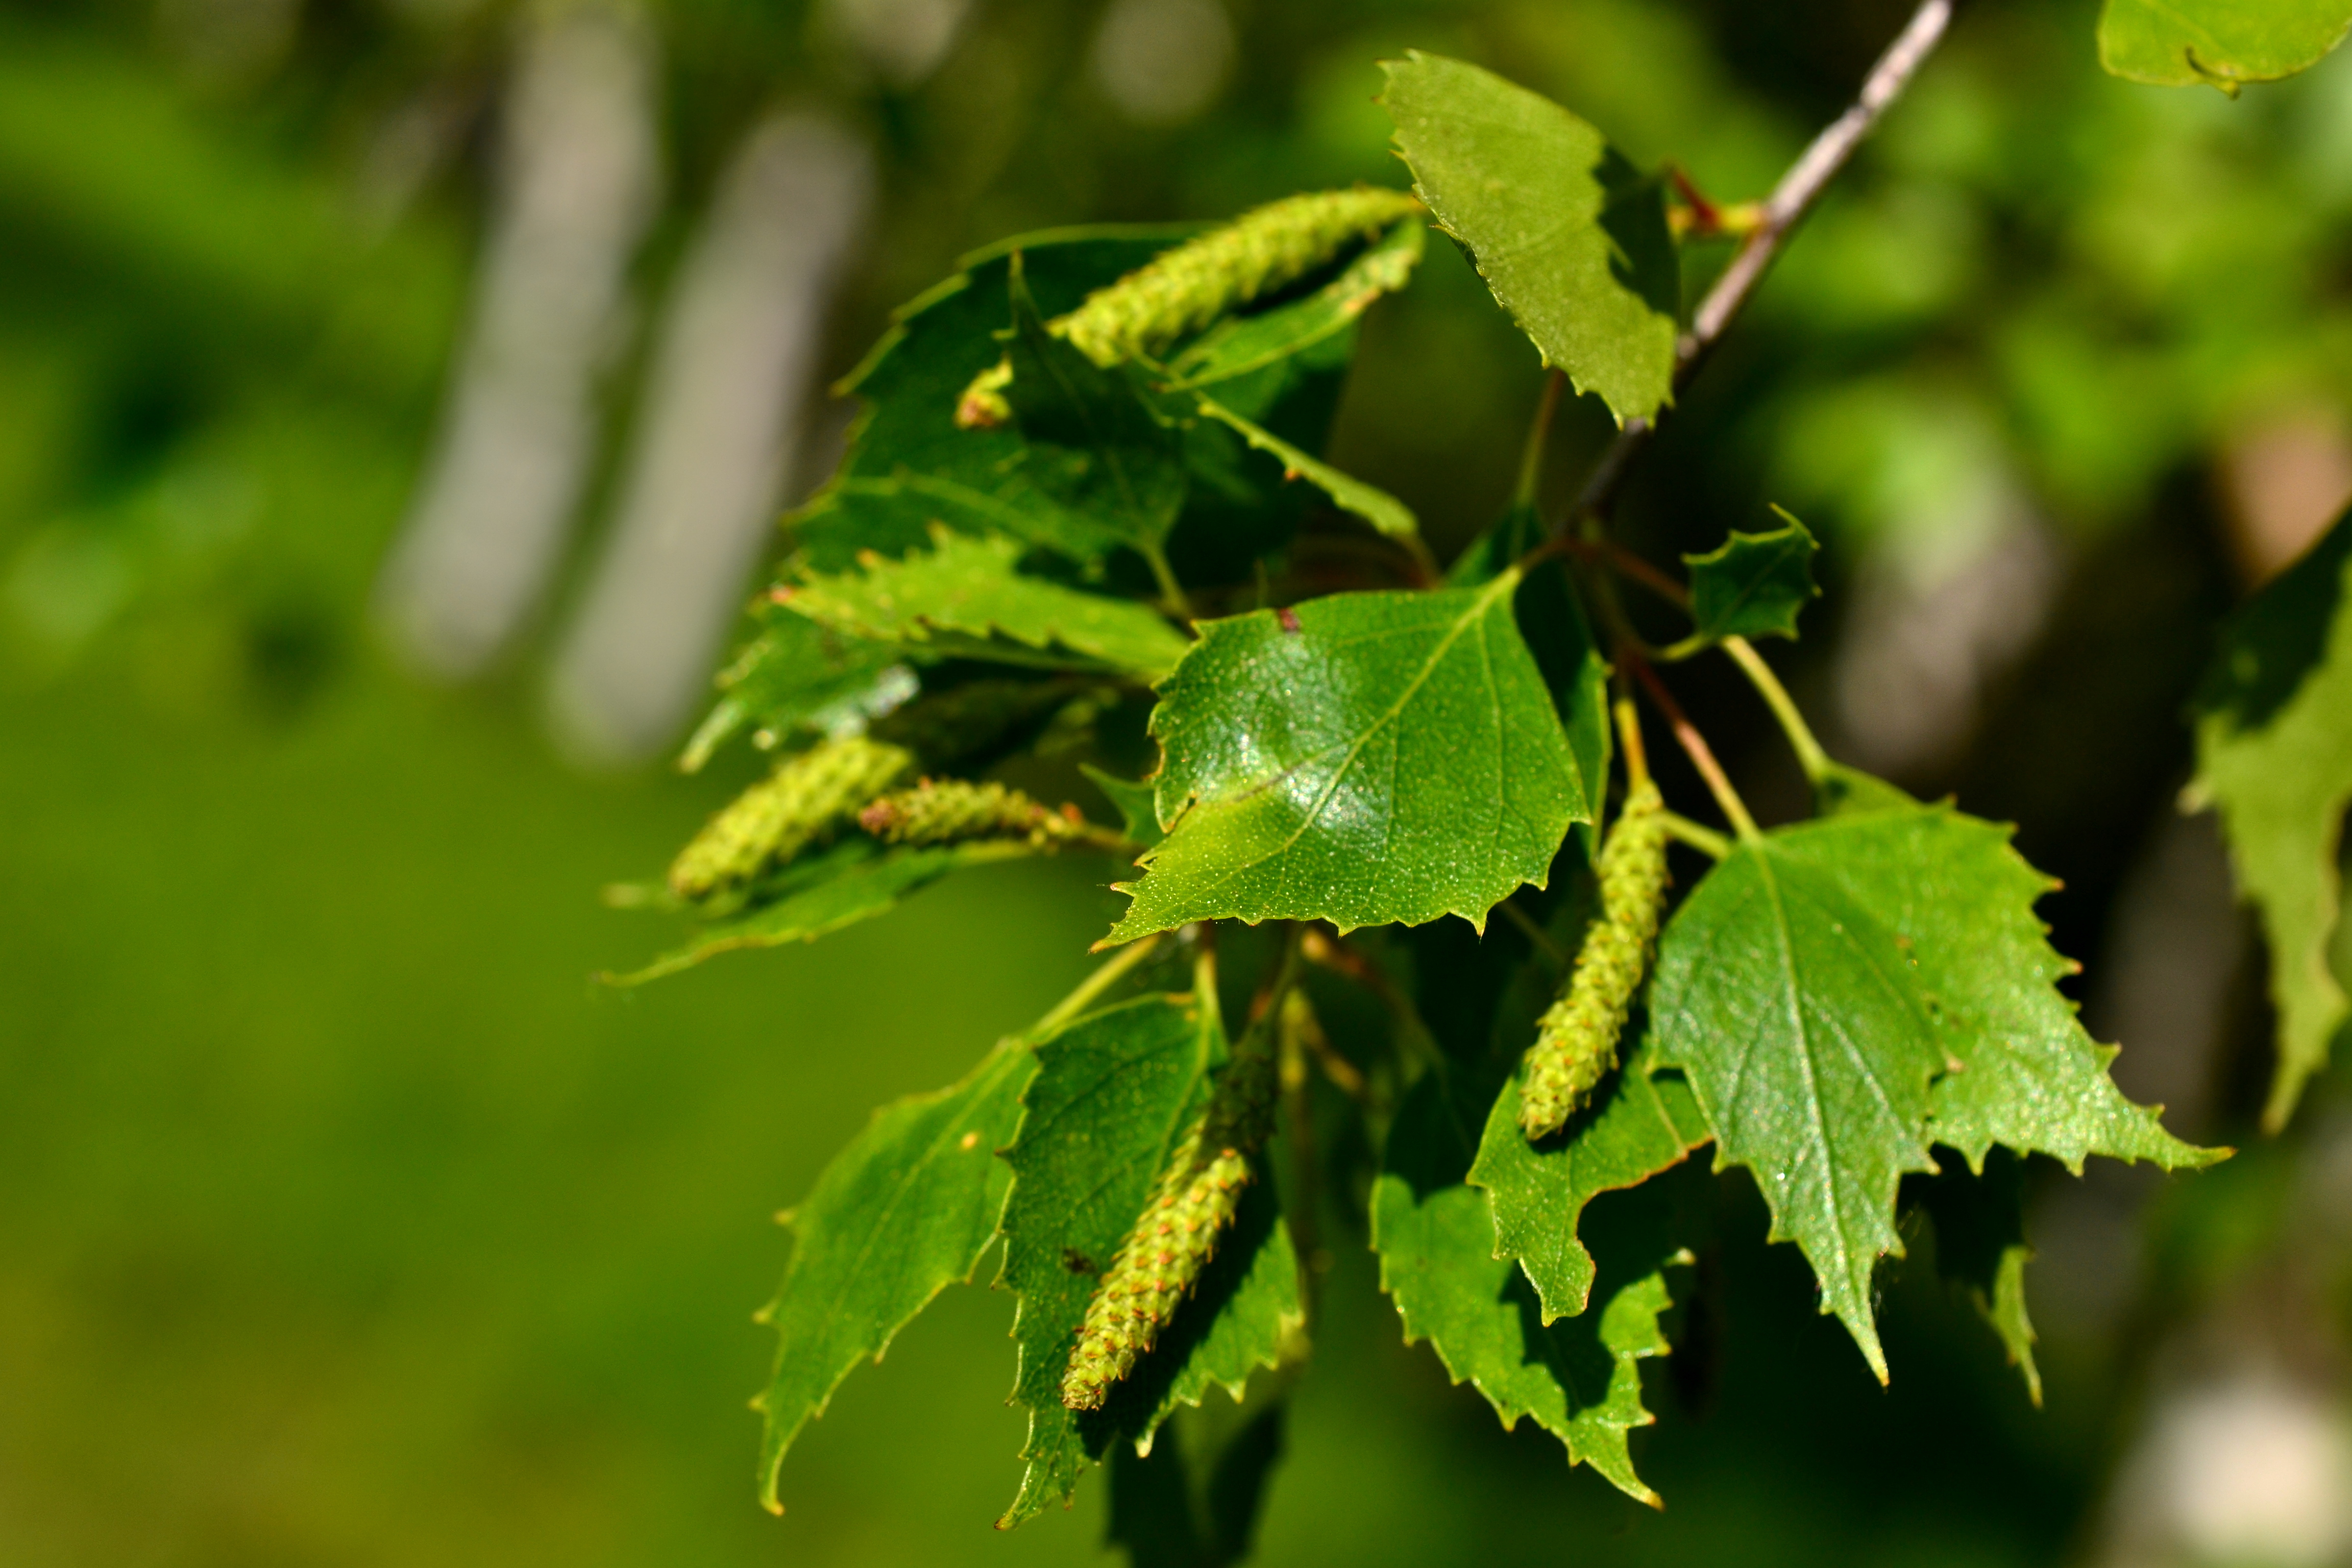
1075, 471
963, 598
1365, 758
2221, 43
1571, 238
1113, 1095
1844, 993
1578, 1377
1540, 1190
903, 1212
2274, 756
1752, 585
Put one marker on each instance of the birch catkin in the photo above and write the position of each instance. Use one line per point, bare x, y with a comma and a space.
954, 811
807, 796
1191, 1206
1182, 291
1576, 1040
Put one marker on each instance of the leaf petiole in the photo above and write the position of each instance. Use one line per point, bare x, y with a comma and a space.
1694, 745
1810, 755
1705, 841
1091, 988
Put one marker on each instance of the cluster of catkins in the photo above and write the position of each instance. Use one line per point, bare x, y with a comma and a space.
813, 797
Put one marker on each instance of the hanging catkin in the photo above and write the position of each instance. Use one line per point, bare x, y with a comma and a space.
807, 796
1191, 1205
1183, 289
1576, 1040
953, 811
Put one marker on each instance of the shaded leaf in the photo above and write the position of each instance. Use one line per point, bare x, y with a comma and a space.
795, 677
1538, 1191
1243, 345
909, 465
1388, 515
2220, 43
1752, 585
1113, 1094
1842, 791
1361, 758
1094, 445
1133, 802
904, 1211
1579, 1377
1818, 981
2274, 755
1571, 238
854, 880
964, 598
1981, 1247
1192, 1500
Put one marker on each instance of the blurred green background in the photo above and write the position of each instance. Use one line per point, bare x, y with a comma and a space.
345, 1220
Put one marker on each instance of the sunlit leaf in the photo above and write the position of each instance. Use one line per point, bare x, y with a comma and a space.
1846, 991
964, 598
1571, 238
1363, 758
2220, 43
904, 1211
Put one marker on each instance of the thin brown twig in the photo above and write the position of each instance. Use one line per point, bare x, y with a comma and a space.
1790, 199
1693, 743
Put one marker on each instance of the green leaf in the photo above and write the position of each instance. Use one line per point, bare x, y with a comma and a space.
1387, 514
2221, 43
2275, 754
1538, 1191
1133, 802
854, 880
1114, 1093
1571, 238
904, 1211
1361, 758
1578, 1377
2025, 1073
908, 465
962, 597
1753, 584
1094, 446
1241, 345
1981, 1247
1842, 791
1846, 991
795, 677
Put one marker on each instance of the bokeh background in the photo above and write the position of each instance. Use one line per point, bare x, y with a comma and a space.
395, 396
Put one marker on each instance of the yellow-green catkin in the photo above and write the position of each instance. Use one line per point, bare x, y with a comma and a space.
807, 797
951, 811
1576, 1040
1183, 289
1191, 1205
